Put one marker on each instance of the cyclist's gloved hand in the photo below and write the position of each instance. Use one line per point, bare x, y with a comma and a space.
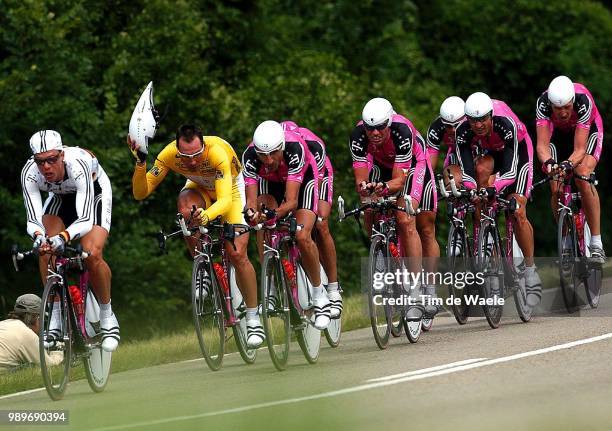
566, 166
363, 189
487, 192
201, 217
270, 217
57, 243
381, 189
139, 155
549, 166
250, 216
39, 239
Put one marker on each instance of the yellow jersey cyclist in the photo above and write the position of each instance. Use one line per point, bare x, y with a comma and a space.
216, 187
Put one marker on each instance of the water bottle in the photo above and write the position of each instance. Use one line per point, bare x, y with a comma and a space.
77, 299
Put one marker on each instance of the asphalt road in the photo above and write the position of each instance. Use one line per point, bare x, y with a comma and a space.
554, 373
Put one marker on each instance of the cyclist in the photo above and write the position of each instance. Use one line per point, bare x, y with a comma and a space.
324, 240
570, 136
215, 186
390, 157
442, 131
79, 206
281, 173
503, 162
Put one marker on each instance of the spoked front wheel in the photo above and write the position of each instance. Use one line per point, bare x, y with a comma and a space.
457, 252
98, 362
524, 310
55, 340
275, 309
207, 314
491, 265
240, 328
308, 337
568, 265
379, 310
593, 272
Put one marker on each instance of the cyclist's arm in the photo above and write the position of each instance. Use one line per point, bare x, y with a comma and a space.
543, 134
359, 155
435, 134
144, 183
361, 175
223, 183
580, 146
464, 155
84, 201
32, 199
292, 190
251, 191
508, 172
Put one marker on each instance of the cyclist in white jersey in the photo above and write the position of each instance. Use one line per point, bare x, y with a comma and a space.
78, 206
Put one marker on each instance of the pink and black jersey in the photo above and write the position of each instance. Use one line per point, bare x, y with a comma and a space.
297, 159
439, 134
402, 150
584, 116
508, 143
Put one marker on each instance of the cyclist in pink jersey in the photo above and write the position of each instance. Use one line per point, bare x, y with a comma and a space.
570, 136
495, 153
281, 173
324, 240
390, 156
442, 131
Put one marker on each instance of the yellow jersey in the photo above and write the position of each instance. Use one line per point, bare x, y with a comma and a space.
216, 173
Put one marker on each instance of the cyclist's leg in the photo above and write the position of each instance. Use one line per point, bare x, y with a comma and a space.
520, 190
245, 273
99, 271
426, 223
53, 225
191, 195
589, 195
325, 242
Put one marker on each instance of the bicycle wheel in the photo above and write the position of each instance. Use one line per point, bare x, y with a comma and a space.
55, 343
396, 312
240, 328
568, 268
379, 312
207, 313
593, 273
523, 309
491, 265
308, 337
275, 309
98, 362
333, 331
457, 252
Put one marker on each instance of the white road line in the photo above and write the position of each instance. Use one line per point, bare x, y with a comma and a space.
22, 393
363, 387
426, 370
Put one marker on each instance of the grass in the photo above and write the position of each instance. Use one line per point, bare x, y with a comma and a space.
179, 346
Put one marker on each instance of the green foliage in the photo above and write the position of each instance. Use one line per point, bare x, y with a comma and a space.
78, 66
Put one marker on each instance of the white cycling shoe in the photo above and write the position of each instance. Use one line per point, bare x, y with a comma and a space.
335, 301
255, 333
109, 328
322, 312
533, 286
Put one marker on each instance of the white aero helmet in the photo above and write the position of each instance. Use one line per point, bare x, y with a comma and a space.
377, 111
143, 123
45, 140
478, 105
269, 136
452, 110
561, 91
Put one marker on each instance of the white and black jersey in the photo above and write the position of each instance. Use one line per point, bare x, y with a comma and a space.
82, 198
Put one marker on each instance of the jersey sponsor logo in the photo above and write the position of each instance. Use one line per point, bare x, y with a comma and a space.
31, 178
404, 143
218, 175
294, 159
355, 146
582, 108
508, 134
433, 134
155, 171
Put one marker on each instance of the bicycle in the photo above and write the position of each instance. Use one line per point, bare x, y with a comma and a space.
500, 260
286, 294
216, 299
384, 257
573, 235
78, 336
459, 246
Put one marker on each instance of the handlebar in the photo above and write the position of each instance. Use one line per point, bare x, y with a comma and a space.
381, 205
18, 255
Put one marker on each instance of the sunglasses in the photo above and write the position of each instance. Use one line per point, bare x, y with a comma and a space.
454, 124
51, 160
379, 127
190, 156
479, 119
264, 153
